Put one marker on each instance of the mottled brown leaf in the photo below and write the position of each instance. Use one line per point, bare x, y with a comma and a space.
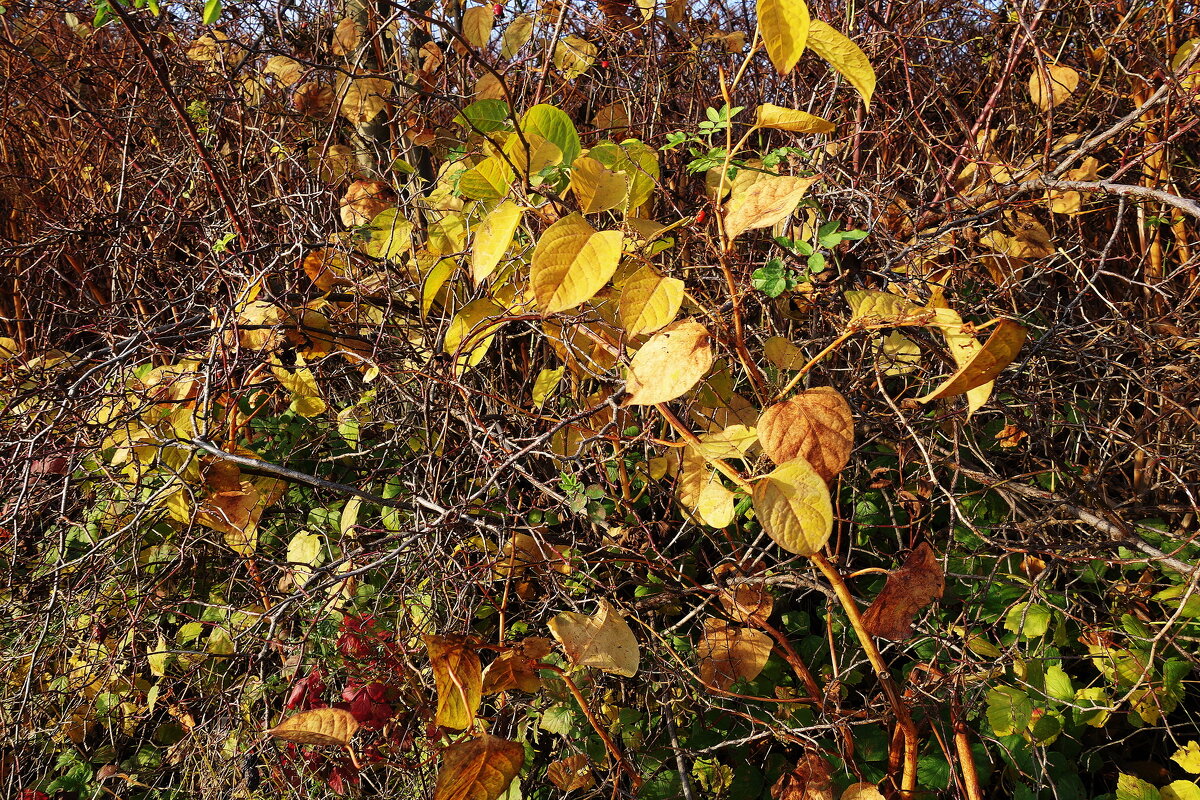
815, 425
321, 726
908, 590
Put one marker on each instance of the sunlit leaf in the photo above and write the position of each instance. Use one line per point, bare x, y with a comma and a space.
459, 678
792, 504
649, 301
478, 769
985, 363
364, 201
470, 333
571, 263
1052, 88
362, 98
727, 653
287, 71
333, 727
701, 493
784, 26
477, 25
736, 441
844, 56
769, 200
517, 668
571, 773
883, 308
597, 188
487, 180
790, 119
545, 384
748, 603
391, 235
862, 791
669, 364
516, 35
555, 126
783, 354
603, 641
493, 239
815, 425
573, 56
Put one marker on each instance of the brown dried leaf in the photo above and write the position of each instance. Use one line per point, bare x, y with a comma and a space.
987, 362
364, 200
459, 678
908, 590
571, 773
862, 791
362, 98
815, 425
727, 654
479, 769
517, 668
313, 99
669, 364
810, 780
603, 641
333, 727
748, 603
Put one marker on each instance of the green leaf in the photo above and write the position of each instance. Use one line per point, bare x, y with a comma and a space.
212, 12
933, 773
1058, 684
556, 127
484, 115
1009, 710
1028, 619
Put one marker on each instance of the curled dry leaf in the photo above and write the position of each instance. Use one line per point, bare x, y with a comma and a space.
985, 364
1053, 87
517, 668
748, 603
603, 641
365, 200
815, 425
908, 590
333, 727
727, 654
793, 505
767, 201
669, 364
811, 779
478, 769
571, 773
459, 678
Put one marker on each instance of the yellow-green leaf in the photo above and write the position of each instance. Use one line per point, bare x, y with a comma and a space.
871, 307
494, 238
649, 301
1188, 757
784, 26
789, 119
783, 354
391, 235
573, 56
516, 35
545, 384
792, 504
596, 187
470, 333
487, 180
571, 263
553, 123
845, 56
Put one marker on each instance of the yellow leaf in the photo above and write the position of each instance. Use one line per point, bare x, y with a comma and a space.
332, 727
669, 364
1191, 79
985, 364
433, 279
571, 263
789, 119
845, 57
783, 354
573, 56
784, 25
494, 238
487, 180
815, 425
769, 200
545, 384
516, 35
1188, 757
459, 678
1053, 87
612, 119
304, 552
477, 25
331, 164
793, 505
862, 791
362, 98
603, 641
541, 153
470, 333
898, 354
883, 308
479, 769
649, 301
962, 344
736, 441
391, 235
701, 492
287, 70
346, 37
596, 187
727, 654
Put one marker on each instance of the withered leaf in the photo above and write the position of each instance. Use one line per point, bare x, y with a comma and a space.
908, 590
811, 779
727, 653
985, 364
815, 425
603, 641
321, 726
479, 769
517, 668
571, 773
459, 678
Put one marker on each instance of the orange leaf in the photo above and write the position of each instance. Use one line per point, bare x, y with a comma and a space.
479, 769
321, 726
997, 353
728, 654
517, 668
815, 425
459, 678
